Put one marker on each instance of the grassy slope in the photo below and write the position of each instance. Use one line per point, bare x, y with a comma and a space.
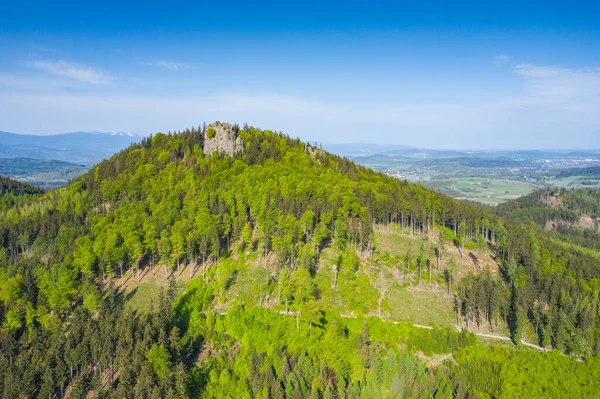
356, 294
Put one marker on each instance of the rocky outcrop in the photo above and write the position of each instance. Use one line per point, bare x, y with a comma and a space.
223, 138
312, 151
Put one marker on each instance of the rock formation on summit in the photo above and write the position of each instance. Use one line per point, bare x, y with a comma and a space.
222, 137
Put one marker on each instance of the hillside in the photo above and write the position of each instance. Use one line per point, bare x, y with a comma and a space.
14, 193
10, 186
572, 215
237, 262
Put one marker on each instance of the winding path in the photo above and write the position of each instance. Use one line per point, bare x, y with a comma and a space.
492, 336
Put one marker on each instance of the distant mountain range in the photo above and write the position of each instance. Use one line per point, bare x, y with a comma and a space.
82, 148
358, 150
361, 149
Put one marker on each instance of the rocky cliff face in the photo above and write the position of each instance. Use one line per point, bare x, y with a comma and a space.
223, 138
312, 151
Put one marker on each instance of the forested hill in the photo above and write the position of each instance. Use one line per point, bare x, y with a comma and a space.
218, 196
572, 214
8, 185
13, 192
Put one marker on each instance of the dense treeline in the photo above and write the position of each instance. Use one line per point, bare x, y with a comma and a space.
163, 201
8, 185
104, 349
504, 373
553, 204
589, 172
549, 286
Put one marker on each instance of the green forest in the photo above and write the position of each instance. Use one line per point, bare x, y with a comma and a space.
572, 215
276, 278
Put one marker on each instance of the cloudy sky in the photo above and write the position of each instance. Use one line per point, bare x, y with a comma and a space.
429, 75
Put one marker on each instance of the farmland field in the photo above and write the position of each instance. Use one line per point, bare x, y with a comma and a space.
482, 189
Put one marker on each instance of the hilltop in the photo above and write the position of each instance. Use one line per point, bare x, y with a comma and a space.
230, 261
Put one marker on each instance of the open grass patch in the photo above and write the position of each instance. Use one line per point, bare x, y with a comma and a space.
144, 295
420, 306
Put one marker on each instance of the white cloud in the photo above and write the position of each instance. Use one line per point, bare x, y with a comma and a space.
173, 66
502, 59
74, 71
551, 81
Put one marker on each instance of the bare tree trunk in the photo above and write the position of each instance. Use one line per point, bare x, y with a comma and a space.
429, 264
335, 274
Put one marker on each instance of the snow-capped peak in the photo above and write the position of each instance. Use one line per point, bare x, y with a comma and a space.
114, 133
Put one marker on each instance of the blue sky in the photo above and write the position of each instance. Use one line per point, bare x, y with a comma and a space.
435, 75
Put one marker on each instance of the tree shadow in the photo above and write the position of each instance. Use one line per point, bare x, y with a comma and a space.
231, 280
130, 294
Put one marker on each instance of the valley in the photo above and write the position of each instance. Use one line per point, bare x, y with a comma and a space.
488, 177
51, 161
